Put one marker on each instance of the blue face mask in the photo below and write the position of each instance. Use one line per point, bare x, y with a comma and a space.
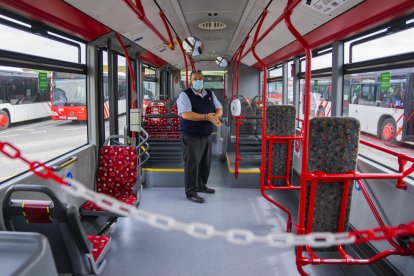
197, 84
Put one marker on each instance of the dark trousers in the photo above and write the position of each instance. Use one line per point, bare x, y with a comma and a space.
197, 160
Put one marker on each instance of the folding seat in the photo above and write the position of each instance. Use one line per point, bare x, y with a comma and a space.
333, 149
73, 251
117, 177
280, 122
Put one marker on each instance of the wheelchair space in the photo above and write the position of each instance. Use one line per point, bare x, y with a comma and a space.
139, 249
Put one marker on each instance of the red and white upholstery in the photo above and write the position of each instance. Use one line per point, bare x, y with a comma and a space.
117, 176
156, 127
174, 126
100, 246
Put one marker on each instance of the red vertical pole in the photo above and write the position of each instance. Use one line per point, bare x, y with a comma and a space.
185, 62
288, 161
300, 227
131, 74
269, 164
232, 80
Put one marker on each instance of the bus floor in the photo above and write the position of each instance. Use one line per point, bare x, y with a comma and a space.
139, 249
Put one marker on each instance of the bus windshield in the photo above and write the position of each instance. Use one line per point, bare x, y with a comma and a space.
69, 92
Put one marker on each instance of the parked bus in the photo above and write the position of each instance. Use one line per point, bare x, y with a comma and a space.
68, 96
21, 98
383, 112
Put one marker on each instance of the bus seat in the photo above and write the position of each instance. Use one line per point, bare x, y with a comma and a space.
333, 148
174, 125
156, 127
280, 122
73, 251
117, 177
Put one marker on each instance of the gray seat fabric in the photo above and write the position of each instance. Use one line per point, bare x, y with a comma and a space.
280, 121
333, 148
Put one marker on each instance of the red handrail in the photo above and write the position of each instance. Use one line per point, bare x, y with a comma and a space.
291, 5
185, 61
131, 74
167, 27
138, 9
262, 166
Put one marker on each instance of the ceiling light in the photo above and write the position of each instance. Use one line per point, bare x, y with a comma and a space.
212, 25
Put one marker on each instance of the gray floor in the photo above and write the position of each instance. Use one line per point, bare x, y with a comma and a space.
138, 249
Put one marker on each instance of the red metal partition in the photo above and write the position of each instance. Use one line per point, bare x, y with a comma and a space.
316, 177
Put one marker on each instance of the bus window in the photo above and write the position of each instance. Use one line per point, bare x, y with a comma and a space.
27, 103
320, 102
122, 94
149, 85
379, 103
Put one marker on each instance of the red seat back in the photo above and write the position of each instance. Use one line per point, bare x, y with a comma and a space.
117, 171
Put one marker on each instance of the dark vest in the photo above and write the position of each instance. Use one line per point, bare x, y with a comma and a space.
202, 106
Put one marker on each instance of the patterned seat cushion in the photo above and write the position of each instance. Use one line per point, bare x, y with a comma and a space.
333, 148
99, 245
156, 127
90, 206
117, 174
280, 121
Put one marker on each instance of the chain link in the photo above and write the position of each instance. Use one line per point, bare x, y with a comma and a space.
206, 231
234, 236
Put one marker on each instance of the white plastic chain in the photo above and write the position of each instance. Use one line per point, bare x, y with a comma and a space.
206, 231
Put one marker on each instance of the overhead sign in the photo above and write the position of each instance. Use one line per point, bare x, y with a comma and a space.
42, 80
385, 80
324, 6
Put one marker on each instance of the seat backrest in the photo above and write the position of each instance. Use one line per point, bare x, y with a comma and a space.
117, 170
280, 121
156, 107
333, 148
55, 220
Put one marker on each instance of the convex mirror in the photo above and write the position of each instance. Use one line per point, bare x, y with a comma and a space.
222, 62
193, 46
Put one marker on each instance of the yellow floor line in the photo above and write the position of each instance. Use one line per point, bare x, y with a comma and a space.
162, 170
244, 171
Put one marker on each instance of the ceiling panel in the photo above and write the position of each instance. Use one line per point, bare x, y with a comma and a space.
303, 18
119, 17
229, 12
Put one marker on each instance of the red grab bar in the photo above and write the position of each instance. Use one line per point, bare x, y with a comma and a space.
138, 9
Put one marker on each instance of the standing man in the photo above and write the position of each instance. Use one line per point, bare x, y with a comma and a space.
199, 110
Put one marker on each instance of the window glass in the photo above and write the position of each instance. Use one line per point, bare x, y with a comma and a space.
383, 103
213, 80
17, 41
274, 93
105, 87
40, 111
149, 85
392, 44
277, 72
122, 93
319, 62
290, 83
320, 101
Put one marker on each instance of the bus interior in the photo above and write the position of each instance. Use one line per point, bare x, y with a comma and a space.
312, 162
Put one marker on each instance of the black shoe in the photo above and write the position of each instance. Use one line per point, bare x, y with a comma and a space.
195, 198
207, 190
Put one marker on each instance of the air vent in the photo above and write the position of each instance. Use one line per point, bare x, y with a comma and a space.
212, 25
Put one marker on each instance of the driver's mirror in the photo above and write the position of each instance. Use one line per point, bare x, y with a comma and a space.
222, 62
193, 46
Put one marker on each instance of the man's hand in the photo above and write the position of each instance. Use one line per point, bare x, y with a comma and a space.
214, 119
